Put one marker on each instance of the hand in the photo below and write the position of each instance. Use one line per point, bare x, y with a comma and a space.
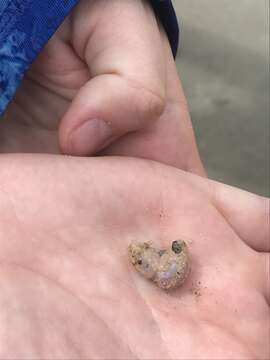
110, 63
67, 289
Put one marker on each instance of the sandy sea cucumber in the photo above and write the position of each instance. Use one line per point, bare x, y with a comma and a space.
168, 268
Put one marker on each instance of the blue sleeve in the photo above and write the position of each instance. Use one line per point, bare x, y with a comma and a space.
166, 14
27, 25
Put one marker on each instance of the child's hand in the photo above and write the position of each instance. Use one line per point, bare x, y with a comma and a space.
109, 78
68, 290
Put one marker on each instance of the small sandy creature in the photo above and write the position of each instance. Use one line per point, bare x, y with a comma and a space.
167, 268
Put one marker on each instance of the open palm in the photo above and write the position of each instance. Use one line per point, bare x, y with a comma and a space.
67, 289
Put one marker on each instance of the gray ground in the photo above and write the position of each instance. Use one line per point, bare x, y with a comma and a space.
224, 66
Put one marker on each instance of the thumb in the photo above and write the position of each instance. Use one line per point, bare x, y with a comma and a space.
126, 89
106, 108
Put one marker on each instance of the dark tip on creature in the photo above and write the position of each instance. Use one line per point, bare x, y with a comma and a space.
176, 247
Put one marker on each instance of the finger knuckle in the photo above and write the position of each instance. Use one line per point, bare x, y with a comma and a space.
151, 105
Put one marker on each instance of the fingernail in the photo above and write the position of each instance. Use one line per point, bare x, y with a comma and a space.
89, 137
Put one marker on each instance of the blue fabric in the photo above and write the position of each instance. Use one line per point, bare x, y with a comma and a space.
27, 25
165, 11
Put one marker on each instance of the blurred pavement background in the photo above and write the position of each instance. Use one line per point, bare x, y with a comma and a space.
223, 63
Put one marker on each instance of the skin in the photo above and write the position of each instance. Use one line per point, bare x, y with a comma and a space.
68, 290
91, 69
